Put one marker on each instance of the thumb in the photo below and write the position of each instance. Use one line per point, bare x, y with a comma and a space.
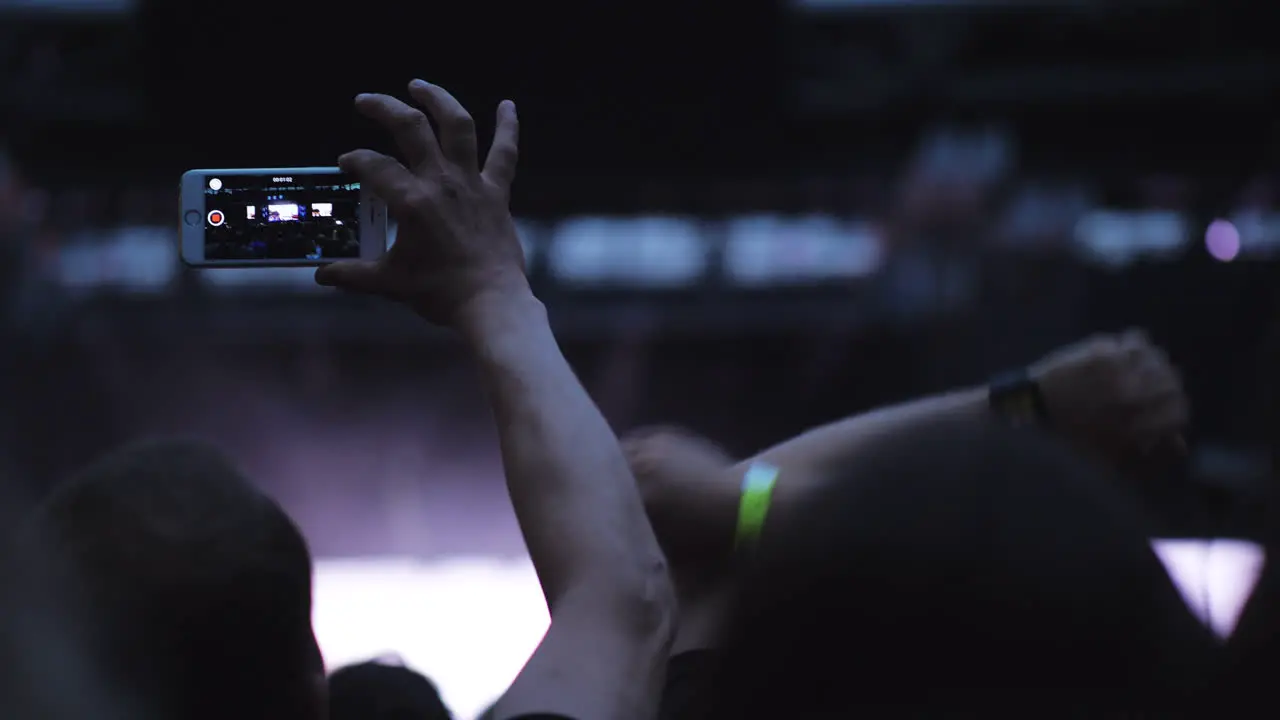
352, 275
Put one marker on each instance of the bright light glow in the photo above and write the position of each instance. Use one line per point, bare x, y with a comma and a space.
1116, 238
768, 249
470, 623
467, 623
1222, 240
284, 212
637, 251
134, 259
1259, 232
296, 279
1215, 577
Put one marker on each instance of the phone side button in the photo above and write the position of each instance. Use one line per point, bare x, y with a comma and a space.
192, 217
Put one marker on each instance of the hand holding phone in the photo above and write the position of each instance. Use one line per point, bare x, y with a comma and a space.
456, 239
274, 217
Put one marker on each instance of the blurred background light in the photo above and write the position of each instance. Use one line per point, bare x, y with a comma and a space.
1222, 240
467, 623
655, 252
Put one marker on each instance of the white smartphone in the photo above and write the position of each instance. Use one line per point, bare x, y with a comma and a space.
278, 217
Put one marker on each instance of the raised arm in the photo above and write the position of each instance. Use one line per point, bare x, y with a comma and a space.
1117, 397
458, 262
1111, 394
1114, 396
805, 458
605, 579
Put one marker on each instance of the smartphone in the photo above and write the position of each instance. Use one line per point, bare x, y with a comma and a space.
278, 217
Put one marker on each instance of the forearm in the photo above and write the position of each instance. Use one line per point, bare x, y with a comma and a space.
572, 491
704, 515
806, 458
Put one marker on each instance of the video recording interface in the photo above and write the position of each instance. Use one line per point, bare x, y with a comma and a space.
281, 217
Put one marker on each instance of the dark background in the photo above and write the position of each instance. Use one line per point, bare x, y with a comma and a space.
636, 91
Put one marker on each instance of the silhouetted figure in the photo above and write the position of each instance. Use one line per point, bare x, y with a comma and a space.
381, 691
962, 566
160, 584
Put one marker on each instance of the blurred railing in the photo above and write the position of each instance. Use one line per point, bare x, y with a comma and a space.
663, 253
750, 273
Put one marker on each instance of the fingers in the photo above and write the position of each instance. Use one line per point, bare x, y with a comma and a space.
457, 129
1167, 411
1162, 424
500, 165
352, 275
1171, 414
1135, 339
1155, 372
457, 137
1162, 410
1159, 377
410, 128
1147, 366
388, 179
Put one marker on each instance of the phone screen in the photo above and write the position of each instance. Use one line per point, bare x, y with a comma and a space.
281, 217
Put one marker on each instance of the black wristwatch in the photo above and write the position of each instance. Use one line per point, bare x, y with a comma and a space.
1015, 397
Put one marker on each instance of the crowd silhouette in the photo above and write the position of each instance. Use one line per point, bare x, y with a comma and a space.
289, 240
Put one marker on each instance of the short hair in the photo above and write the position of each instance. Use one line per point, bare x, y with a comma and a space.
382, 691
961, 564
189, 591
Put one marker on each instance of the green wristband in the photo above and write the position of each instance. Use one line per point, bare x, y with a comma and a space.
757, 494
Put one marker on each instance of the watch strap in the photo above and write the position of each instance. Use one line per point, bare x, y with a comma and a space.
1016, 398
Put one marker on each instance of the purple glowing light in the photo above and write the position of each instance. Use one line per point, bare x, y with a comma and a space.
1222, 240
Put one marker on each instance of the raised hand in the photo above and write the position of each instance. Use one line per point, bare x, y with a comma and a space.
456, 242
1117, 394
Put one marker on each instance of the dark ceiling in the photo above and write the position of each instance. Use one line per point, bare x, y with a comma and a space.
667, 88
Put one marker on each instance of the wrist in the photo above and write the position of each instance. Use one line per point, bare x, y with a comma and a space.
1016, 398
496, 310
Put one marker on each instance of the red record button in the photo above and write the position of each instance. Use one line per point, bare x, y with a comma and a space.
216, 218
